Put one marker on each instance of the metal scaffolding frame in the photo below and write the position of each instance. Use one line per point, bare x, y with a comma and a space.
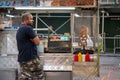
49, 27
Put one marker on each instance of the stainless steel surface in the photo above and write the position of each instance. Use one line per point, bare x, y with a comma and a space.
8, 74
85, 69
3, 42
8, 42
57, 62
58, 75
8, 62
8, 49
58, 59
57, 67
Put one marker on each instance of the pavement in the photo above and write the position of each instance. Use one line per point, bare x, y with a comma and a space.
110, 66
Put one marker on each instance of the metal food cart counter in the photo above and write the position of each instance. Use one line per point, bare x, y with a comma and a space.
57, 66
62, 65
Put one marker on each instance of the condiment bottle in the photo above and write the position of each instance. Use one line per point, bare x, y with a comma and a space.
87, 57
76, 57
83, 57
79, 57
92, 58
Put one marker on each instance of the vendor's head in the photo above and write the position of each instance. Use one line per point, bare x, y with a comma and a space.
83, 30
27, 19
83, 35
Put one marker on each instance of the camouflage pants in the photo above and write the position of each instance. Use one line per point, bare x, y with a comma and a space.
31, 69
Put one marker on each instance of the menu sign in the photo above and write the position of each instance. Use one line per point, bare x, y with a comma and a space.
50, 3
58, 3
73, 3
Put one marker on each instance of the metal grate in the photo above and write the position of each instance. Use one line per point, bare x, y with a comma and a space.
109, 2
116, 42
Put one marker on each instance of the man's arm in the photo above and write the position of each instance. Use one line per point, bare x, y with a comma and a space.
36, 40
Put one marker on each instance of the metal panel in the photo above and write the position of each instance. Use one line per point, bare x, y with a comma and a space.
8, 74
85, 69
3, 43
58, 75
8, 42
11, 43
8, 62
58, 59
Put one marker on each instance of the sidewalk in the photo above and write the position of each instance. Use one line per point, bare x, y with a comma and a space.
110, 66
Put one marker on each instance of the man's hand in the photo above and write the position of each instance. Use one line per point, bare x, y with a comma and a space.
36, 40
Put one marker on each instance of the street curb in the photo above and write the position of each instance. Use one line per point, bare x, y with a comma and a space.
110, 55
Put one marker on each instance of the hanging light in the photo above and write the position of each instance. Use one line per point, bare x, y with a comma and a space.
77, 15
8, 15
45, 8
